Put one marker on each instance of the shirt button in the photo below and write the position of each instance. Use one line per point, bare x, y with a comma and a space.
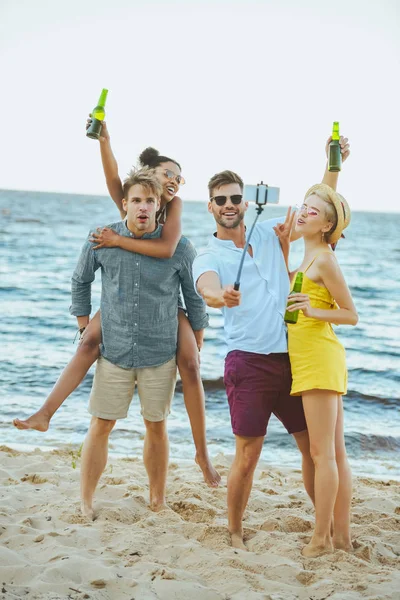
137, 264
135, 324
134, 343
136, 284
135, 304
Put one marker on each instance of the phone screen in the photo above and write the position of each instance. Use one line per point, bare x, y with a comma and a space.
250, 194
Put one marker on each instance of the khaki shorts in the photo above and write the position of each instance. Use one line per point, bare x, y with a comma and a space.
113, 389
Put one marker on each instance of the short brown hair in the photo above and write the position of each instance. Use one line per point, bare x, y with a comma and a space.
145, 177
223, 178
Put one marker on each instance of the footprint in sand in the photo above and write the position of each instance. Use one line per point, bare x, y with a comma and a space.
114, 480
118, 515
389, 524
34, 478
189, 511
306, 577
75, 518
296, 504
271, 525
98, 583
269, 491
163, 574
296, 524
362, 551
215, 537
11, 481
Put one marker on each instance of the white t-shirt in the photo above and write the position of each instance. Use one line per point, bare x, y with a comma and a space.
257, 324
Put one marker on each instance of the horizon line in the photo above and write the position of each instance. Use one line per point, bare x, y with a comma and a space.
198, 201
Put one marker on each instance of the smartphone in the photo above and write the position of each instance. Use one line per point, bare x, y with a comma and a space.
266, 194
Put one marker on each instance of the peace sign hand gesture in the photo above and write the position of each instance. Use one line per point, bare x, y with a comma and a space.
284, 232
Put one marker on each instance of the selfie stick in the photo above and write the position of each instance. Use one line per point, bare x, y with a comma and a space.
261, 200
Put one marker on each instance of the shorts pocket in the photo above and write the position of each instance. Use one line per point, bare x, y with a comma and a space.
230, 371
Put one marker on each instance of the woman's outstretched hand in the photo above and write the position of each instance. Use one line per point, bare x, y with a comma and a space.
105, 136
344, 147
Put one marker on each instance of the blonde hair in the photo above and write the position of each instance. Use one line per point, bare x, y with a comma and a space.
145, 177
327, 195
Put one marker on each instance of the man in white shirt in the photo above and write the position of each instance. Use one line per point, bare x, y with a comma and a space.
257, 369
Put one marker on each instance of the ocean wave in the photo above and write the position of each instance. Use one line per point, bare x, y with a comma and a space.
370, 293
208, 384
12, 289
218, 384
355, 395
29, 221
388, 374
371, 443
373, 351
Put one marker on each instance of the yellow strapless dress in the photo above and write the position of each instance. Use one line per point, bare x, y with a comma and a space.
317, 358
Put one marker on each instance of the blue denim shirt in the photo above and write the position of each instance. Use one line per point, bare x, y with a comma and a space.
139, 299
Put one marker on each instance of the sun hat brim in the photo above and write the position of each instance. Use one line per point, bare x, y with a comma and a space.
342, 209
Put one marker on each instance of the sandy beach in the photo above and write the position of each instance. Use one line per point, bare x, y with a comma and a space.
49, 551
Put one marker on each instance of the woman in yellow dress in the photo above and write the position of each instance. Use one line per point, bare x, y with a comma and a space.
319, 363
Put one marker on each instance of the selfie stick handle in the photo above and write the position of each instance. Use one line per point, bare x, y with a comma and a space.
237, 282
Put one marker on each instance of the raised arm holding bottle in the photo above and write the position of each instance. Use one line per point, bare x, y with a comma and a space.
168, 172
286, 231
318, 359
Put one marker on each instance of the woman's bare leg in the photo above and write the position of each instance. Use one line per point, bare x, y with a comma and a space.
341, 512
320, 409
87, 353
193, 393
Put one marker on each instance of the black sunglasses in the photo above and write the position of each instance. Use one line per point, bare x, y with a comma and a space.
221, 200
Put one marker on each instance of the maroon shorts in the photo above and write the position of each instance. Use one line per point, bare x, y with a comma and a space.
258, 385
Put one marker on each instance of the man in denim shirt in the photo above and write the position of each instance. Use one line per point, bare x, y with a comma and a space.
139, 319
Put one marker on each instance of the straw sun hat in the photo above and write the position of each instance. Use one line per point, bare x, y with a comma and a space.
342, 209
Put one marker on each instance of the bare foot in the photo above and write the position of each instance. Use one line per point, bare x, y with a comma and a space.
237, 541
87, 511
39, 421
340, 543
211, 476
158, 505
317, 548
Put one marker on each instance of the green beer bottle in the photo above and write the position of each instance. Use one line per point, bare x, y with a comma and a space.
291, 317
334, 154
98, 114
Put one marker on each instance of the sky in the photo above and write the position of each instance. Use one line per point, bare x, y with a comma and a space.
252, 86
